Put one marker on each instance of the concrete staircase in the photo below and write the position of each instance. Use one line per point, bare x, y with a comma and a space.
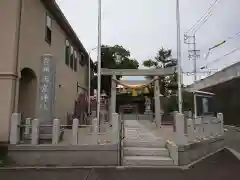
142, 148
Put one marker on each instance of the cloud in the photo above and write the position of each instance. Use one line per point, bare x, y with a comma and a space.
144, 26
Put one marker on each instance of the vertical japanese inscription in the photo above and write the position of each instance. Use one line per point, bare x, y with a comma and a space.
45, 84
47, 89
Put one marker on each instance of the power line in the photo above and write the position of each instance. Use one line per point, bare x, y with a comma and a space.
221, 43
235, 36
219, 58
194, 53
195, 30
207, 15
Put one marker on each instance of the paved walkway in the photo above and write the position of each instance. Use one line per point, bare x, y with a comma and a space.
136, 131
165, 132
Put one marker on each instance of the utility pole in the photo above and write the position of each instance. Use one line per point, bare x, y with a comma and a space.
99, 59
193, 53
179, 54
194, 58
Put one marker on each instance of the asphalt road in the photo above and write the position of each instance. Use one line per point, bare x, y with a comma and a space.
232, 138
221, 166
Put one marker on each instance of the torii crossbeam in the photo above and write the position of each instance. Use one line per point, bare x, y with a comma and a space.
139, 72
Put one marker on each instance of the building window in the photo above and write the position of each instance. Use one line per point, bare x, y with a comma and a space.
48, 33
71, 57
67, 53
81, 60
75, 61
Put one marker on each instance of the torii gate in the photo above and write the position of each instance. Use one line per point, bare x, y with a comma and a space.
138, 72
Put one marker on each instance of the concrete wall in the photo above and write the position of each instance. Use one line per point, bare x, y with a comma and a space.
48, 155
192, 152
9, 18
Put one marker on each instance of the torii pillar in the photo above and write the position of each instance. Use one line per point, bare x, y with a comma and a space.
158, 115
112, 108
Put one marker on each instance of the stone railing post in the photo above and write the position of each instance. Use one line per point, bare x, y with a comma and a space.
220, 118
109, 112
206, 126
101, 121
212, 127
35, 132
75, 131
95, 129
198, 128
115, 123
181, 138
209, 127
190, 130
15, 130
27, 128
56, 131
215, 130
115, 126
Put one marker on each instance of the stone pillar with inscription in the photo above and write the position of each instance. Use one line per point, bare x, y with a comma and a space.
46, 101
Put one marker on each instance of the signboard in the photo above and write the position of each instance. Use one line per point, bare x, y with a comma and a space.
47, 90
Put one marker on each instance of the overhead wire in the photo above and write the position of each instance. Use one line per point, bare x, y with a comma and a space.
219, 58
205, 16
195, 30
221, 43
233, 37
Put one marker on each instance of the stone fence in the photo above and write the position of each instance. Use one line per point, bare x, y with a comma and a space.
30, 132
195, 138
205, 127
189, 130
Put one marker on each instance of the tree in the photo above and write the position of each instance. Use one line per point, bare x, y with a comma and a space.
113, 57
163, 59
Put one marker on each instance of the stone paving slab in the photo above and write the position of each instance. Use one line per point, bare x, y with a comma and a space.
135, 130
137, 135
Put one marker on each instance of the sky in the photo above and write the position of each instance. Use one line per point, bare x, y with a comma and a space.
144, 26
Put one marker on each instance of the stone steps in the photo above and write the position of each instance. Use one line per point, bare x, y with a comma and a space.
150, 143
143, 148
147, 161
145, 151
